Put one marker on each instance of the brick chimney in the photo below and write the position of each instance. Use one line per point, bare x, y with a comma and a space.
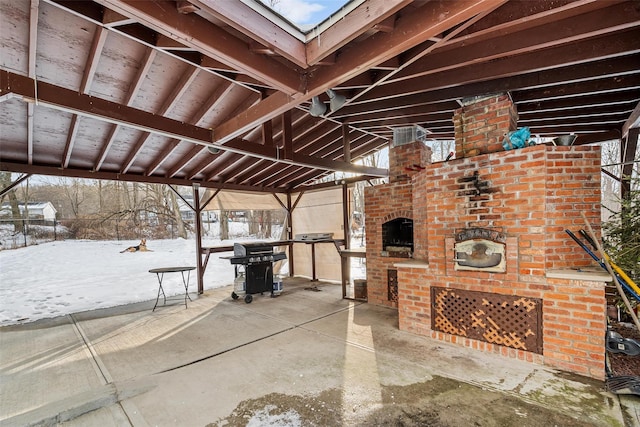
407, 159
481, 124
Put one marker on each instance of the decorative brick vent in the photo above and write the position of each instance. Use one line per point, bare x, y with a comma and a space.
507, 320
392, 285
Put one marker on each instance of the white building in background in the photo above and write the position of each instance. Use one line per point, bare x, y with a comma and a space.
37, 210
189, 214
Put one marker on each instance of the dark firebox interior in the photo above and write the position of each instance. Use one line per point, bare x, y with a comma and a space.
397, 233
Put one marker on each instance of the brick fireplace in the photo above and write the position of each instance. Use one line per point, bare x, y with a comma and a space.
491, 266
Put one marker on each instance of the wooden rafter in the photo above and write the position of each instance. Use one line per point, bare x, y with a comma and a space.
369, 14
147, 61
99, 39
212, 101
412, 30
170, 101
247, 20
67, 100
33, 43
569, 66
196, 32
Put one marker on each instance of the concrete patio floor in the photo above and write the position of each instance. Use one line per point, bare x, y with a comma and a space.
306, 358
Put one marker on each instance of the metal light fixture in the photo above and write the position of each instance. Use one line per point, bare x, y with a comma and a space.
213, 150
336, 101
317, 108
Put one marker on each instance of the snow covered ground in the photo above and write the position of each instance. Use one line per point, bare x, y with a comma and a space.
68, 276
63, 277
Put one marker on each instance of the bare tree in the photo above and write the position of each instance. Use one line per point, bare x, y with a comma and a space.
265, 225
175, 208
5, 181
224, 225
75, 196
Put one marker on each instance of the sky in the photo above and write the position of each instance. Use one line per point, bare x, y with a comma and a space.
306, 12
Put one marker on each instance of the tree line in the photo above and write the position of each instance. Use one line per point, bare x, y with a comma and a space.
97, 209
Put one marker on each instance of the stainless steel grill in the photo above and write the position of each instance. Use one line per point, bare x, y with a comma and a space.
257, 259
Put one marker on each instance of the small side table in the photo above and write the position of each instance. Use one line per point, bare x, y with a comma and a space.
185, 281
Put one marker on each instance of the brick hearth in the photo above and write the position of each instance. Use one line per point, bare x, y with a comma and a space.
528, 195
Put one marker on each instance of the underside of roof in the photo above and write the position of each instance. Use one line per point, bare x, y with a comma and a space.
215, 93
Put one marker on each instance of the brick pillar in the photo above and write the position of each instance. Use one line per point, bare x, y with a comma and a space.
407, 159
480, 125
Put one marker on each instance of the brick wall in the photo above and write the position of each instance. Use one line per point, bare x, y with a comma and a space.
531, 195
480, 126
384, 203
408, 159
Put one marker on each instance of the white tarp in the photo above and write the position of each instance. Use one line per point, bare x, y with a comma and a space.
243, 201
318, 212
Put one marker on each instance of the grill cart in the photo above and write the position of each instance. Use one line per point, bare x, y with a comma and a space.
257, 261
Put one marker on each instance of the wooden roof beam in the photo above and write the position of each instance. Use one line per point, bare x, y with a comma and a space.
185, 160
31, 70
584, 51
266, 173
112, 18
115, 176
352, 25
178, 90
241, 17
412, 29
212, 100
99, 39
545, 34
600, 84
186, 7
64, 99
578, 102
196, 32
134, 88
632, 122
189, 157
222, 162
427, 21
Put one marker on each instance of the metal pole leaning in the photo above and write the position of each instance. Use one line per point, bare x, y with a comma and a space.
595, 257
617, 269
606, 263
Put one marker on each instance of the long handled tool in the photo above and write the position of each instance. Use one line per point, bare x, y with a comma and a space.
617, 282
602, 264
617, 269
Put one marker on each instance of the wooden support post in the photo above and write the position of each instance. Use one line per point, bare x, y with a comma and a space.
198, 227
290, 234
346, 140
267, 134
626, 157
287, 135
345, 263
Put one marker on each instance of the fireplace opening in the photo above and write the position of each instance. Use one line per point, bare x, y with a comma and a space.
397, 238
